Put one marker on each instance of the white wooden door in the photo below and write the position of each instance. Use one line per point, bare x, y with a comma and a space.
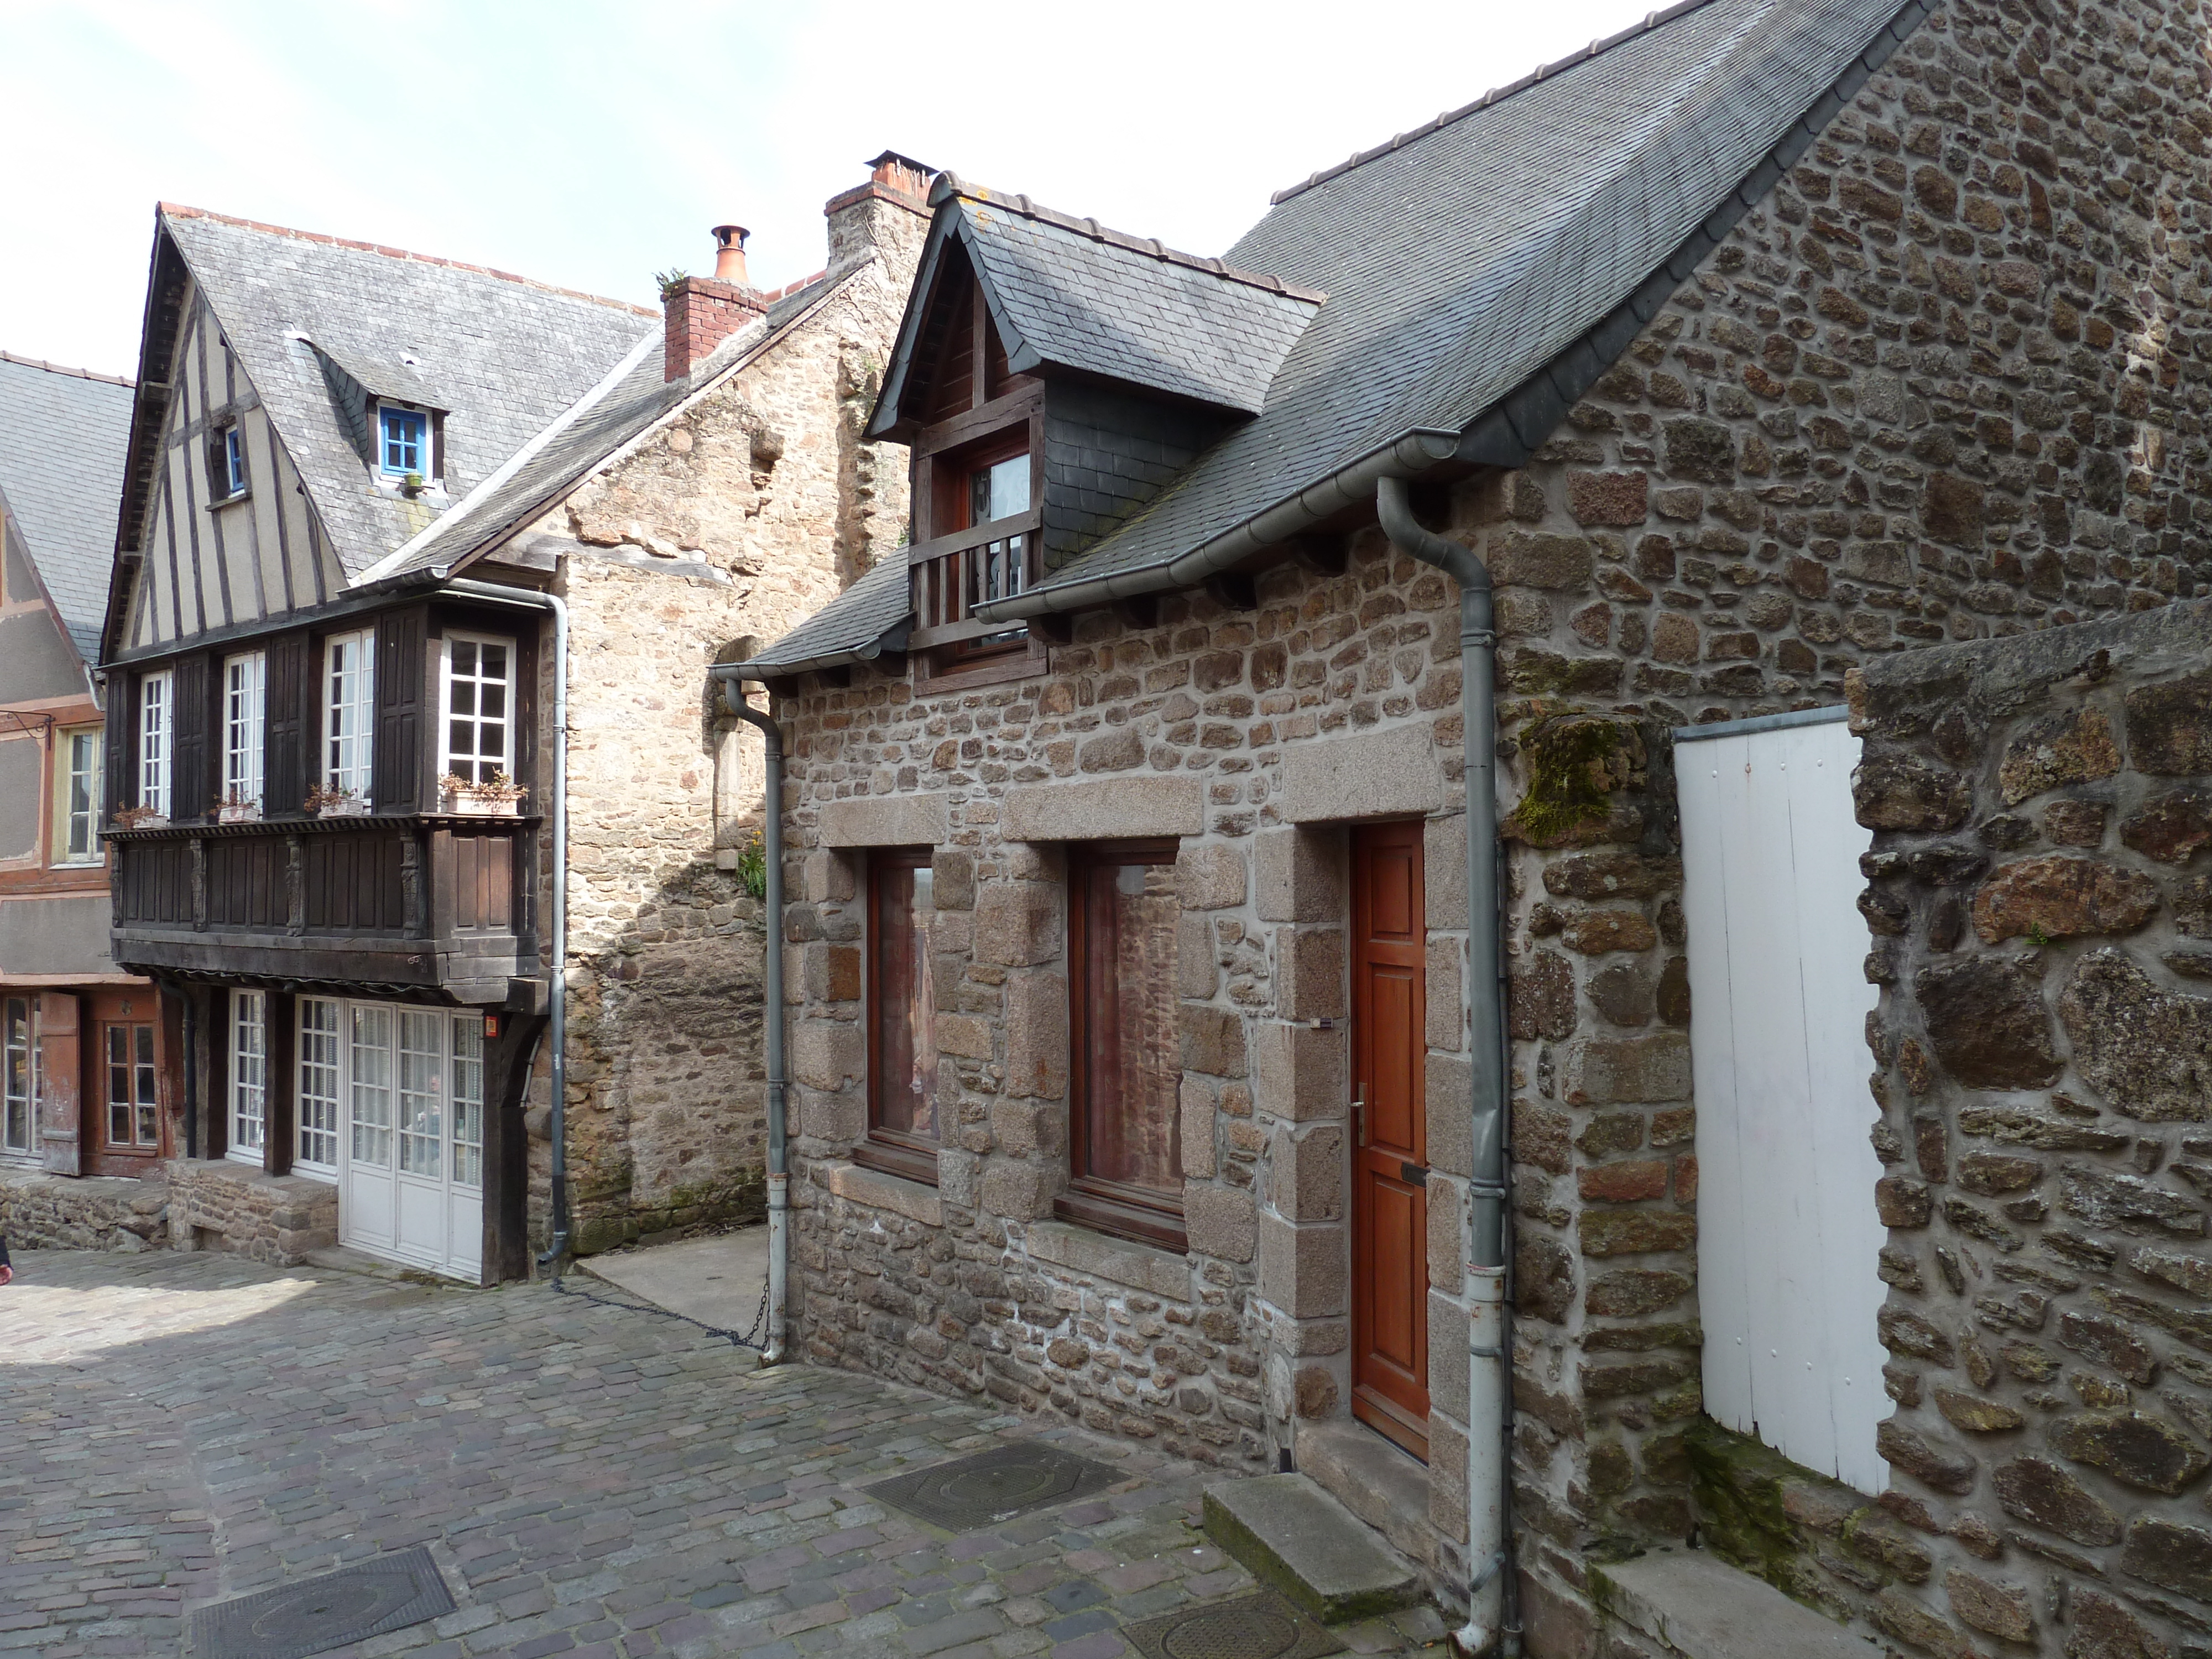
410, 1182
1787, 1233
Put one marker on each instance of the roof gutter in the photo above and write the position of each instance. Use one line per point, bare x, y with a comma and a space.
1351, 486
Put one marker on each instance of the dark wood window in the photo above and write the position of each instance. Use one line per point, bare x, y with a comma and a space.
1125, 1150
901, 1010
134, 1123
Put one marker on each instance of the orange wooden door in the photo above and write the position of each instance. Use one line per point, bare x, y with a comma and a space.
1390, 1147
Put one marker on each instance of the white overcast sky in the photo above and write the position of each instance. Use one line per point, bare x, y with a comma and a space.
590, 143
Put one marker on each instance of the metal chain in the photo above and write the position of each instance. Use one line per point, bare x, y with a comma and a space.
748, 1339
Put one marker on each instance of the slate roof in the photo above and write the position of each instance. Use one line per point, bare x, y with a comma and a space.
503, 356
1468, 263
872, 614
64, 432
586, 433
1070, 294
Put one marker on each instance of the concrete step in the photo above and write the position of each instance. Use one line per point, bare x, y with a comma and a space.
1696, 1606
1295, 1536
1380, 1484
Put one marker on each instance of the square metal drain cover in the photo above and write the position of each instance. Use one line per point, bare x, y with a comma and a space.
1262, 1626
993, 1485
327, 1610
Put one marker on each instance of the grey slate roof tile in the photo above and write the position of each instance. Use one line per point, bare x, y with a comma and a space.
503, 356
1459, 262
855, 620
63, 436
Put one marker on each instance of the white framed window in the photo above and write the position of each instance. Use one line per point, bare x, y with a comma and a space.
19, 1076
378, 1079
227, 465
154, 750
249, 1073
348, 709
244, 709
477, 694
320, 1073
76, 797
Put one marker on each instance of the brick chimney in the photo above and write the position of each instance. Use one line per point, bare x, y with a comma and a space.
882, 215
701, 311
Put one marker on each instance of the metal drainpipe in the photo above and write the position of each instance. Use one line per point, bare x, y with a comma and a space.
557, 902
1490, 1610
779, 1178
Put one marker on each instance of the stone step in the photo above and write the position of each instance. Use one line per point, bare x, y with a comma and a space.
1295, 1536
1696, 1606
1380, 1484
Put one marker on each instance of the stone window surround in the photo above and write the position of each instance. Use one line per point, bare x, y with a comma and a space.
1299, 1062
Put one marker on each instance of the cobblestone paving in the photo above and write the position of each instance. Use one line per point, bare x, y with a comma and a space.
594, 1477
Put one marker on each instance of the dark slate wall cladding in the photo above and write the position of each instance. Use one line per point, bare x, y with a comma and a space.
1107, 455
2043, 916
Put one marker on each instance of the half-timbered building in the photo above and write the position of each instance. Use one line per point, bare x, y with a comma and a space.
383, 513
89, 1052
1145, 1076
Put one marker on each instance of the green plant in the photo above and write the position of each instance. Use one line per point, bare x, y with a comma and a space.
752, 863
668, 280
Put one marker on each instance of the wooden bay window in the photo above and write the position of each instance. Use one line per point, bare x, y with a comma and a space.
1125, 1151
902, 1017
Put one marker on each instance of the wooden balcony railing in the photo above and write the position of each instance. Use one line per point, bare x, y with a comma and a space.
423, 899
954, 573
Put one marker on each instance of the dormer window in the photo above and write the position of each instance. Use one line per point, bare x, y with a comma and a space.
403, 442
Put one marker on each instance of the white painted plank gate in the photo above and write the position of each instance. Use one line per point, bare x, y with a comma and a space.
1787, 1233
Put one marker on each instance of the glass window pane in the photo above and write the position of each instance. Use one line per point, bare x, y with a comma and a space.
494, 702
1132, 1071
319, 1082
422, 1037
495, 662
1008, 487
468, 1100
465, 656
370, 1053
905, 1083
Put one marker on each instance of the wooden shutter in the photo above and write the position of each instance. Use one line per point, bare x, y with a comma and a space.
396, 777
290, 734
122, 743
189, 711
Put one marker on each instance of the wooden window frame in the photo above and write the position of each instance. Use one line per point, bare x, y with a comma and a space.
1107, 1206
157, 743
248, 1133
142, 1065
246, 729
893, 1151
361, 778
19, 1063
424, 447
66, 815
446, 716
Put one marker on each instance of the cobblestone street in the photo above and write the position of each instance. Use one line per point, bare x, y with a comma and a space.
594, 1476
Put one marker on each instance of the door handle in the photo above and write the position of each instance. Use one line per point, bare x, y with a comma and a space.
1359, 1115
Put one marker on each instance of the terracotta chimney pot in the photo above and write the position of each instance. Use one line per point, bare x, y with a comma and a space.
730, 255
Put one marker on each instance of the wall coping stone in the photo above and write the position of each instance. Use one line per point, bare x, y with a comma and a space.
1140, 1267
1106, 809
1390, 773
879, 1191
204, 1171
883, 821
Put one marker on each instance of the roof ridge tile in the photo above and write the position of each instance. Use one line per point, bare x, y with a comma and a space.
181, 210
65, 368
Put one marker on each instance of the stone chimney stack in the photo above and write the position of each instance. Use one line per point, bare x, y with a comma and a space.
883, 214
699, 312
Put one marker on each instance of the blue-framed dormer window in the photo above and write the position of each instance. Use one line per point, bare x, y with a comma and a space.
233, 460
403, 442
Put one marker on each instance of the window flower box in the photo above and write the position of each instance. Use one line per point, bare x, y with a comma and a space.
499, 798
329, 803
141, 818
239, 811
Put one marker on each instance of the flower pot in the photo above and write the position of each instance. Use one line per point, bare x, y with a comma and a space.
150, 820
468, 805
355, 808
249, 812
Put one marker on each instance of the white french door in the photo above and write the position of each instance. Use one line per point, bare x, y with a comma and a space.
407, 1083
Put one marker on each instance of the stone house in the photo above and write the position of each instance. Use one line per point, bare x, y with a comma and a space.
66, 1010
384, 514
1747, 347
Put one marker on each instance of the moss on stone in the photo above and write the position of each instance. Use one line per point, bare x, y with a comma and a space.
1741, 1490
1567, 758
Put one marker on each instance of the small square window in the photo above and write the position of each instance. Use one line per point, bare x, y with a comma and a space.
404, 442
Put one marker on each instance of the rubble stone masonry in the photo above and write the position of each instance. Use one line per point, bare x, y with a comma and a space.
746, 510
1945, 382
2042, 923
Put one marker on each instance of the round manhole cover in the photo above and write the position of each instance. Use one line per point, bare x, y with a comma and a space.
1232, 1633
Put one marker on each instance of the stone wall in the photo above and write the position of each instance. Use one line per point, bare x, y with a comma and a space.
1941, 383
747, 509
217, 1204
2039, 892
93, 1213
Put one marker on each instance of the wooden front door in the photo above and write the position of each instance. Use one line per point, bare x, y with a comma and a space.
124, 1099
1390, 1148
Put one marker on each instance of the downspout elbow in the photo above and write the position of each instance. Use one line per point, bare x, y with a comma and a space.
1394, 507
